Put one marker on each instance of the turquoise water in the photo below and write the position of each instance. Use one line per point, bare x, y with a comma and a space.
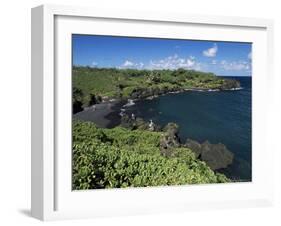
223, 116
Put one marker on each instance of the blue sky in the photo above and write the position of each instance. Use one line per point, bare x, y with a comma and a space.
221, 58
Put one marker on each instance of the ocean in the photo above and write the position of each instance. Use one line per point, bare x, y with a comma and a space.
222, 116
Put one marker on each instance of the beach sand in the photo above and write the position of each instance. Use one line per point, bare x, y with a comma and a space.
104, 115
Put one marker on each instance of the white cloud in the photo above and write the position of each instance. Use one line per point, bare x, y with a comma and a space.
214, 62
175, 62
190, 63
170, 63
94, 64
211, 52
140, 65
235, 65
130, 64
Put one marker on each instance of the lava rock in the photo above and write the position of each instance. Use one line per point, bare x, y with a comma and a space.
216, 156
194, 146
170, 139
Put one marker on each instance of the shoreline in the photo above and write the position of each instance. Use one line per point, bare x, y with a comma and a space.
102, 114
107, 113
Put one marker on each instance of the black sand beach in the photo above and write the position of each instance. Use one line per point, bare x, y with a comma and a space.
104, 115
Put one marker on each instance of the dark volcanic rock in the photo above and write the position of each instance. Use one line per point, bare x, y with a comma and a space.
140, 93
194, 146
216, 156
169, 139
77, 107
137, 123
126, 122
172, 129
230, 84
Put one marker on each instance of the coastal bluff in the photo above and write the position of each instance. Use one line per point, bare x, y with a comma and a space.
96, 85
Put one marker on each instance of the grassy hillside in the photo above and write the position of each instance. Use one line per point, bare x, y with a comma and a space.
91, 85
118, 157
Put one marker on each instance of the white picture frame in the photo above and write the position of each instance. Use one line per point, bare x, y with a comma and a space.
52, 197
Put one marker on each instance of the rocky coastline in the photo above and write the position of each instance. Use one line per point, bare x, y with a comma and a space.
103, 114
150, 93
216, 156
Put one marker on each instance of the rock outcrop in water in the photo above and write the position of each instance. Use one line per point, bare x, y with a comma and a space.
230, 84
216, 156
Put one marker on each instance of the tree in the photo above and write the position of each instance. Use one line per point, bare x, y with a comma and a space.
94, 99
77, 100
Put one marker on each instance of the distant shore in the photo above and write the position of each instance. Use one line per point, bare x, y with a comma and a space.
107, 113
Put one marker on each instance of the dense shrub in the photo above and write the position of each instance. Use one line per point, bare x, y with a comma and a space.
116, 83
115, 158
77, 100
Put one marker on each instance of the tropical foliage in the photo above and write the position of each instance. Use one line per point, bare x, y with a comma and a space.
118, 157
91, 85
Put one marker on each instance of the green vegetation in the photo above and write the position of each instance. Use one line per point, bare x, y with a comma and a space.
133, 156
91, 85
119, 157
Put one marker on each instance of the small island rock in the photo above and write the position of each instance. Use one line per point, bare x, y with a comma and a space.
216, 156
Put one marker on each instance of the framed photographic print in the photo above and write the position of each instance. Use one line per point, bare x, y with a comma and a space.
136, 112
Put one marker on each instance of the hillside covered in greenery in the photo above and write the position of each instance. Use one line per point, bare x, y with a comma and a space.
120, 157
92, 85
